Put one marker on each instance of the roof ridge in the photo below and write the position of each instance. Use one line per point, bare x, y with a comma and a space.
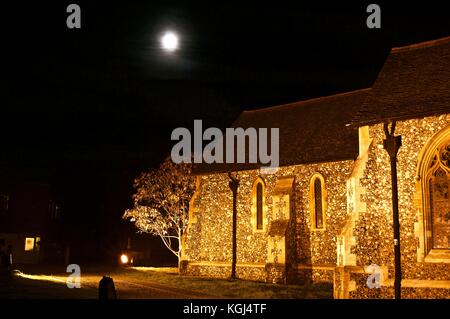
420, 45
274, 107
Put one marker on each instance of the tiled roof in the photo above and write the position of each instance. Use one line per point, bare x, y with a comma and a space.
413, 83
311, 131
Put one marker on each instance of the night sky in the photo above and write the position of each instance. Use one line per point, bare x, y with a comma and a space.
86, 110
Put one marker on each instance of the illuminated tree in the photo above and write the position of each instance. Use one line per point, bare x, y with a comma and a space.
161, 203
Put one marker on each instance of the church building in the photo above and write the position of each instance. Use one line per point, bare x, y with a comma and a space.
326, 214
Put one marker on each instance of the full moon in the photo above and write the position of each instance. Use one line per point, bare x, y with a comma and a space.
169, 41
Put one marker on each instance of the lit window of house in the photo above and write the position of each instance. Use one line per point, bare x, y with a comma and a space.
29, 244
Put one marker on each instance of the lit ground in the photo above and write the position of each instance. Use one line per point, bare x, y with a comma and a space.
145, 283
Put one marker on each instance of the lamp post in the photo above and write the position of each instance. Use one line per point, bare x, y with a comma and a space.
234, 184
392, 144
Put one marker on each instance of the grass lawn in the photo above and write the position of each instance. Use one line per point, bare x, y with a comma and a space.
223, 288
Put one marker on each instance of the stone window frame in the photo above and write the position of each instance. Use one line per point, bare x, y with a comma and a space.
427, 154
312, 204
258, 180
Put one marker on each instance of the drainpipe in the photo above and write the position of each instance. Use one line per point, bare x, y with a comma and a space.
392, 144
234, 184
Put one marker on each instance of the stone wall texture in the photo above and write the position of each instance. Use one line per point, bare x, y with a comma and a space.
209, 238
373, 230
312, 254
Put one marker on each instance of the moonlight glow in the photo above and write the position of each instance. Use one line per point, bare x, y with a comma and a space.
169, 41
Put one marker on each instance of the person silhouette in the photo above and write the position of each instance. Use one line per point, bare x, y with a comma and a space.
107, 289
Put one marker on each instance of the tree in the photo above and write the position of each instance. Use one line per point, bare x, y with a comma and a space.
161, 203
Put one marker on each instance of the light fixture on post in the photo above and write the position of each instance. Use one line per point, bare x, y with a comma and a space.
392, 144
234, 185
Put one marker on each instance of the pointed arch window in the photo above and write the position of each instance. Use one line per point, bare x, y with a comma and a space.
437, 217
317, 202
258, 205
433, 186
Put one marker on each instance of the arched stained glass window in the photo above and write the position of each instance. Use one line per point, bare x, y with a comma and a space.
433, 194
438, 217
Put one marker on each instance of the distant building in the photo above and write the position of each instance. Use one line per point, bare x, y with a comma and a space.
30, 222
326, 214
